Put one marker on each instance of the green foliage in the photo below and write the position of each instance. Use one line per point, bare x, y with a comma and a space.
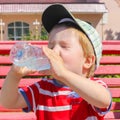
44, 34
116, 99
29, 36
109, 76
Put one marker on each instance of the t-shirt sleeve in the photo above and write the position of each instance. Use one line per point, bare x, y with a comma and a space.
30, 94
29, 107
103, 111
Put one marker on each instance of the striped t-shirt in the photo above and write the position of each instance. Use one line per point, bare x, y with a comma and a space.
53, 101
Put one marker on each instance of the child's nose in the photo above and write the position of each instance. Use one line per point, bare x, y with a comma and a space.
56, 49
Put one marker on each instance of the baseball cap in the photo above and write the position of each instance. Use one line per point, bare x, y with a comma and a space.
57, 13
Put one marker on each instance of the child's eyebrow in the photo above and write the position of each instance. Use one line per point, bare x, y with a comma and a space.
64, 42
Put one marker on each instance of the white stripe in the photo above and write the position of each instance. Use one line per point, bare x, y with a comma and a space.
33, 99
54, 109
49, 93
101, 82
48, 80
91, 118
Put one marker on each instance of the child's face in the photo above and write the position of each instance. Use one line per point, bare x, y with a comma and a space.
65, 42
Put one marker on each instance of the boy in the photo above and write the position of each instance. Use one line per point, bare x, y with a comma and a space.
74, 52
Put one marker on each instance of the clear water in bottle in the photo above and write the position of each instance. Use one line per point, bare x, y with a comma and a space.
23, 54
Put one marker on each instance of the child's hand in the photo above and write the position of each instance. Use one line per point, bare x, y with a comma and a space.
21, 71
57, 68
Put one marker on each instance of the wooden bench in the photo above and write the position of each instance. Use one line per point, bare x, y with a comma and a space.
109, 66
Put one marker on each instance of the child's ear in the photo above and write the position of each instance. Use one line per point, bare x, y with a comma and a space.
89, 61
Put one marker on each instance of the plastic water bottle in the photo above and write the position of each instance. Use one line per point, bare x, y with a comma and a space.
24, 54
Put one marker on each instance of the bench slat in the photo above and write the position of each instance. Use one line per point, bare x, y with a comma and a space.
112, 82
5, 60
5, 48
45, 42
111, 42
115, 92
31, 116
4, 70
115, 106
17, 116
111, 49
2, 109
104, 60
23, 81
108, 69
112, 116
107, 49
110, 60
102, 70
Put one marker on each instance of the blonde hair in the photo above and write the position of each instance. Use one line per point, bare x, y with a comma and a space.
88, 51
